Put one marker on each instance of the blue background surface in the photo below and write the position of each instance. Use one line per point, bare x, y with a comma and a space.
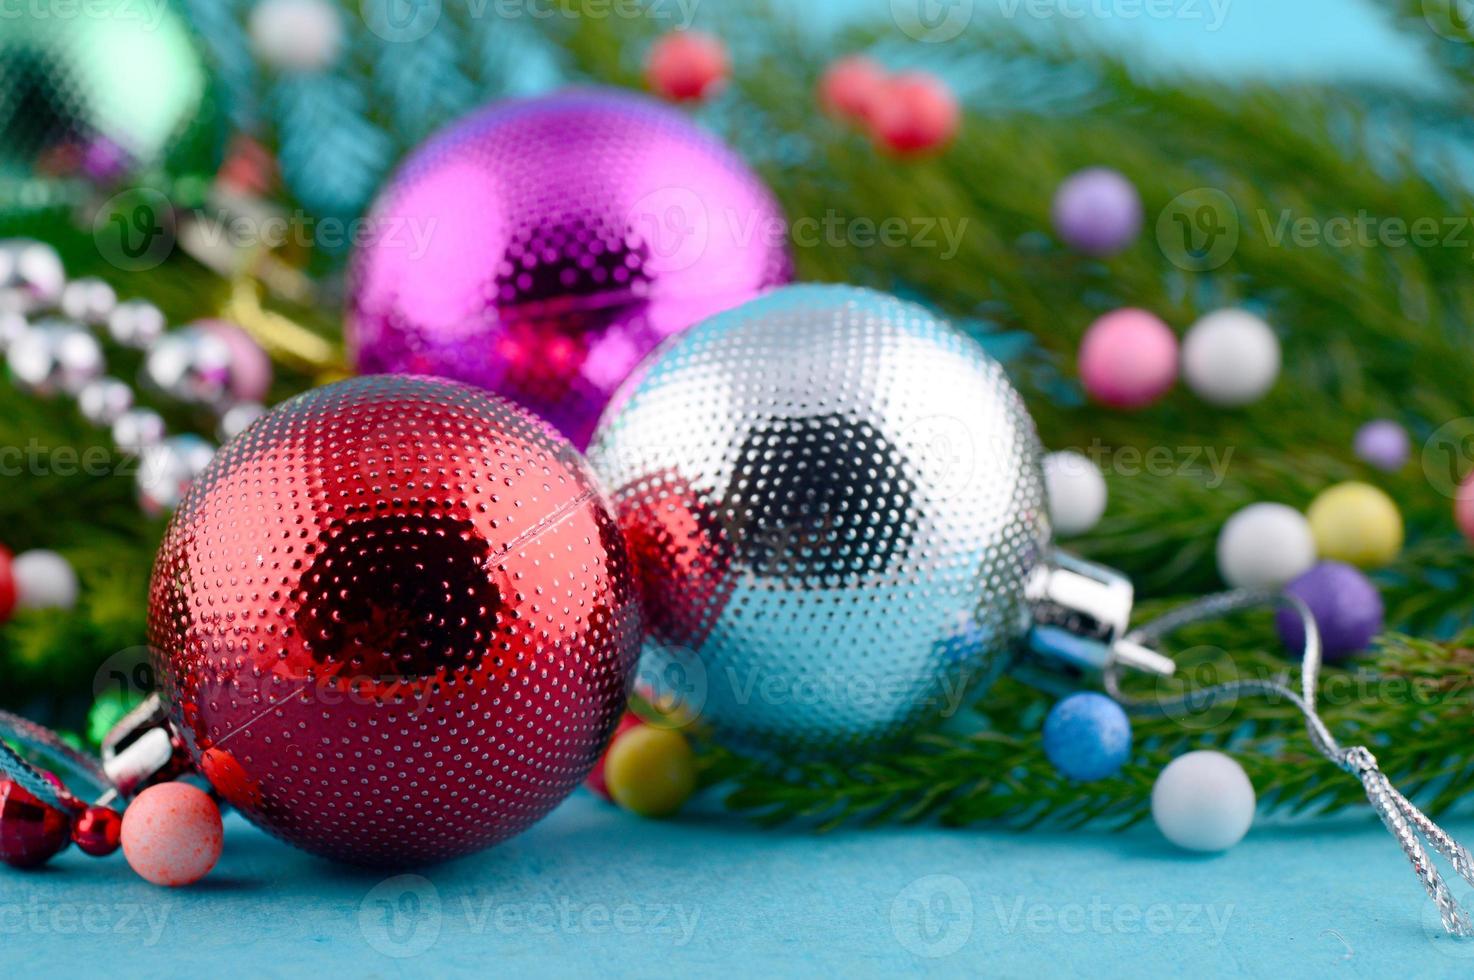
593, 891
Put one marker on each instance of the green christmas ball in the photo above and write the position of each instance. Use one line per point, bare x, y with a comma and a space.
98, 91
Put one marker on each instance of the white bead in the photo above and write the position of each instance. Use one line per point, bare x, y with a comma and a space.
43, 580
1264, 546
136, 323
1230, 358
189, 365
166, 470
31, 273
12, 326
88, 300
103, 402
1203, 801
1076, 490
238, 417
137, 429
296, 35
54, 356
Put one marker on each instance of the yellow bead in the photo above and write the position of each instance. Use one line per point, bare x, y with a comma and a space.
650, 771
1356, 523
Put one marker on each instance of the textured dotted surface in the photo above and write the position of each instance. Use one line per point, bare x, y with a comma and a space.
834, 500
395, 619
541, 248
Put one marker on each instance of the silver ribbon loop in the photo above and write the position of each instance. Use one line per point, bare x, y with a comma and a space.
1403, 820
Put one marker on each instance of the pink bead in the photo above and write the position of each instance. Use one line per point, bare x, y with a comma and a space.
172, 834
687, 66
915, 113
1128, 359
851, 88
250, 368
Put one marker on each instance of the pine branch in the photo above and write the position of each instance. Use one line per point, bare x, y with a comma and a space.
1411, 703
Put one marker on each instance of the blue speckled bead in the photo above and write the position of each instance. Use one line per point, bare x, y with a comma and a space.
1087, 736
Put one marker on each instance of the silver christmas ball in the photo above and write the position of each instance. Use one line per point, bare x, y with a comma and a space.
835, 501
136, 323
137, 429
190, 365
31, 275
103, 402
88, 301
55, 356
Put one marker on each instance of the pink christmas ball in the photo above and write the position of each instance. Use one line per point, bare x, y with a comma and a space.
1128, 359
172, 834
851, 87
541, 248
687, 66
915, 113
1464, 507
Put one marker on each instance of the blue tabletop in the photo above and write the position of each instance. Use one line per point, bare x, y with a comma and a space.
593, 891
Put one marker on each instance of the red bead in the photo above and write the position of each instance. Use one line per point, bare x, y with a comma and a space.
98, 831
914, 114
851, 88
595, 781
31, 833
7, 585
687, 65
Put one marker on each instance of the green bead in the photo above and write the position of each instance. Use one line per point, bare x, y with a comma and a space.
650, 771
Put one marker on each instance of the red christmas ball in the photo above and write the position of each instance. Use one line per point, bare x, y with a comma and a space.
395, 620
98, 831
31, 833
915, 113
687, 66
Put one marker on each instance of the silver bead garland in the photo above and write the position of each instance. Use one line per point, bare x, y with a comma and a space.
47, 338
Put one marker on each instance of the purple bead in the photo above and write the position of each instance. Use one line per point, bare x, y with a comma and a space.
1087, 736
541, 248
1346, 606
1384, 444
1098, 212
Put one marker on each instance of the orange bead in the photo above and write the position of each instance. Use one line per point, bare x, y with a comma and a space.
687, 66
172, 834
